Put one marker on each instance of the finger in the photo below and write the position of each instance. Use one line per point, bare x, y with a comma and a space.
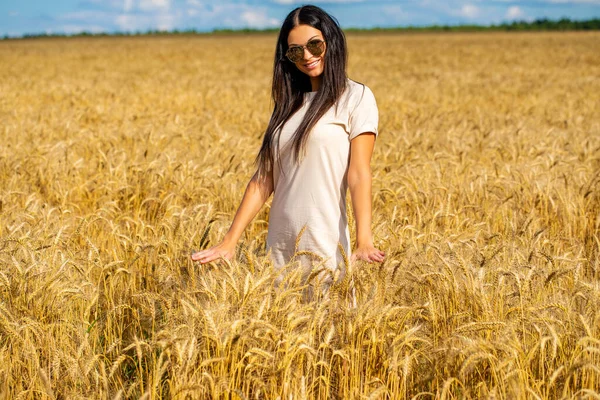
203, 255
212, 257
376, 257
224, 255
199, 254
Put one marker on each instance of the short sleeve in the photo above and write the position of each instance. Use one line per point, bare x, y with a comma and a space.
365, 115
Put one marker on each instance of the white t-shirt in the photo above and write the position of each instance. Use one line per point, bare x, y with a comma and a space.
312, 192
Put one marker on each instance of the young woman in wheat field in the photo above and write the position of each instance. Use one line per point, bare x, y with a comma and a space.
318, 144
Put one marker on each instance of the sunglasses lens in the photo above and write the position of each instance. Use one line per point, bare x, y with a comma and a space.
315, 47
295, 54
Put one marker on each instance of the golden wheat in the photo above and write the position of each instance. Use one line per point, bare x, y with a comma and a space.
120, 156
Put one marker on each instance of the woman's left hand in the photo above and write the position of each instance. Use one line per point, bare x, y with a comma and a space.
369, 254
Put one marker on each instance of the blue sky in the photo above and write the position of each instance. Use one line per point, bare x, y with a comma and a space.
72, 16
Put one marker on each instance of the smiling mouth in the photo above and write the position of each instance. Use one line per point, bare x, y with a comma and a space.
312, 64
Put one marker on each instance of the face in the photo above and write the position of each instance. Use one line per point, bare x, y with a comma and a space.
310, 64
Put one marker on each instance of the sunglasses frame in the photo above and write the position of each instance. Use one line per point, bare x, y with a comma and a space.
319, 46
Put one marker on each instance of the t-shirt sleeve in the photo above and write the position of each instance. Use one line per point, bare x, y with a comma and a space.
365, 115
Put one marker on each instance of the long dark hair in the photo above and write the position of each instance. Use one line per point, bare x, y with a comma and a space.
290, 84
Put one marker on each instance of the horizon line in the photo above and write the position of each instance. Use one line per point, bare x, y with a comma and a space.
539, 24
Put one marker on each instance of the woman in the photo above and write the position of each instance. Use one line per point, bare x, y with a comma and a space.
318, 143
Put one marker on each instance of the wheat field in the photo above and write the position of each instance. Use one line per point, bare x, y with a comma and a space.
121, 156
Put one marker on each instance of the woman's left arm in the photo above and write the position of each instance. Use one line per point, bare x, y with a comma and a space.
359, 183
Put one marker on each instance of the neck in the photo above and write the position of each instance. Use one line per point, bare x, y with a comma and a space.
315, 83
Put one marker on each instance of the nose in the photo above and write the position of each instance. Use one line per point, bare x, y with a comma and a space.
305, 54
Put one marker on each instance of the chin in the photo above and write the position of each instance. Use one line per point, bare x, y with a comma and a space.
313, 74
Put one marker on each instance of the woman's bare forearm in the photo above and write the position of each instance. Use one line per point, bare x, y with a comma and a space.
257, 192
359, 183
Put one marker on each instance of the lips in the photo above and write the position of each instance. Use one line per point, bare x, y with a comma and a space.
312, 65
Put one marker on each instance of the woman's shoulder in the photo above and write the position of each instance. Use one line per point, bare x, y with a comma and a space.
357, 92
355, 88
356, 85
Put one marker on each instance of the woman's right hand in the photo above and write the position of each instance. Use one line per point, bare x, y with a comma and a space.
224, 250
257, 192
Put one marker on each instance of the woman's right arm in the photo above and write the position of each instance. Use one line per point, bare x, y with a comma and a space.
256, 194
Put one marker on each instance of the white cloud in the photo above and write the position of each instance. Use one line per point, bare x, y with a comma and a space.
166, 22
597, 2
130, 22
126, 22
285, 2
258, 19
393, 10
168, 14
83, 16
469, 11
143, 5
514, 12
94, 21
13, 13
127, 5
148, 5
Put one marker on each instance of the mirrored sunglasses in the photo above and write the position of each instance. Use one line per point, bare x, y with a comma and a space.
316, 47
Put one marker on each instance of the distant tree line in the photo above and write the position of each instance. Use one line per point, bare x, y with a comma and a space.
542, 24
